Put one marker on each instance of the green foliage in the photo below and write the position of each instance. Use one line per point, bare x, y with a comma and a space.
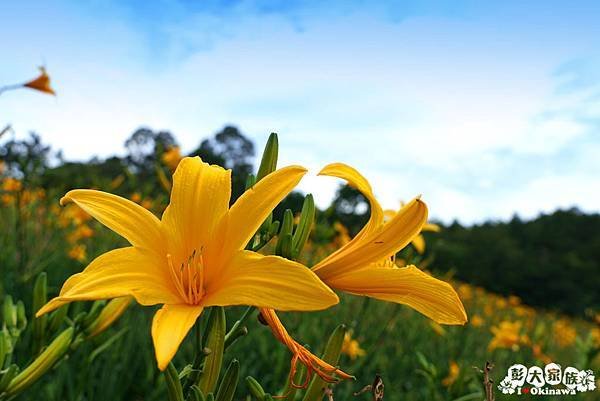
551, 261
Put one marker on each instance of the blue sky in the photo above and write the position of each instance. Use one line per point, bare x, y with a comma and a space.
485, 109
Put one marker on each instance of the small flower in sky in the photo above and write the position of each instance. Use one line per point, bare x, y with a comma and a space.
41, 83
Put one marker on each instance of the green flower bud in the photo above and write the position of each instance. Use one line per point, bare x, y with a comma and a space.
229, 382
42, 363
274, 228
215, 341
268, 163
307, 218
108, 315
174, 389
9, 312
40, 297
197, 393
57, 318
255, 388
284, 242
284, 246
250, 181
21, 316
3, 348
93, 313
8, 375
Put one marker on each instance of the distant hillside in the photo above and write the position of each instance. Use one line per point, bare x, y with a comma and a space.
552, 261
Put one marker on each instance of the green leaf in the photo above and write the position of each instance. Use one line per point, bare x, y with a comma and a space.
331, 355
229, 382
174, 389
215, 341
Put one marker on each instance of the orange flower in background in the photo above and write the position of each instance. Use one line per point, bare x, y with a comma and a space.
342, 237
147, 204
539, 354
595, 334
508, 335
11, 185
7, 199
477, 321
564, 333
172, 157
453, 373
465, 292
78, 252
82, 231
513, 300
117, 181
136, 197
351, 347
419, 241
41, 83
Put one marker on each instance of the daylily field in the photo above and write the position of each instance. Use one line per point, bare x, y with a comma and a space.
162, 277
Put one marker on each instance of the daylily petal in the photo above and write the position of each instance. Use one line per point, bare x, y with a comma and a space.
199, 200
128, 219
170, 325
431, 227
410, 286
252, 208
419, 243
120, 272
386, 241
357, 181
268, 282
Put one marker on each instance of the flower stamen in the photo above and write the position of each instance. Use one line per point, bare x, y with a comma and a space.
189, 280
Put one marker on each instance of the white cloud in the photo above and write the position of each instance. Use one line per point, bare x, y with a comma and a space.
448, 108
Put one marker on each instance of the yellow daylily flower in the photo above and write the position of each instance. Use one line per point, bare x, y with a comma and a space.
351, 347
194, 256
172, 157
365, 266
41, 83
418, 242
508, 335
453, 373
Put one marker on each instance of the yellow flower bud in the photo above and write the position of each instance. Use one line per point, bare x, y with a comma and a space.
109, 314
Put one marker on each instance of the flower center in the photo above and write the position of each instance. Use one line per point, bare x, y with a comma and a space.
188, 277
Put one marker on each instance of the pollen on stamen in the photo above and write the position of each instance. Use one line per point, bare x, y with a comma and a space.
189, 279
